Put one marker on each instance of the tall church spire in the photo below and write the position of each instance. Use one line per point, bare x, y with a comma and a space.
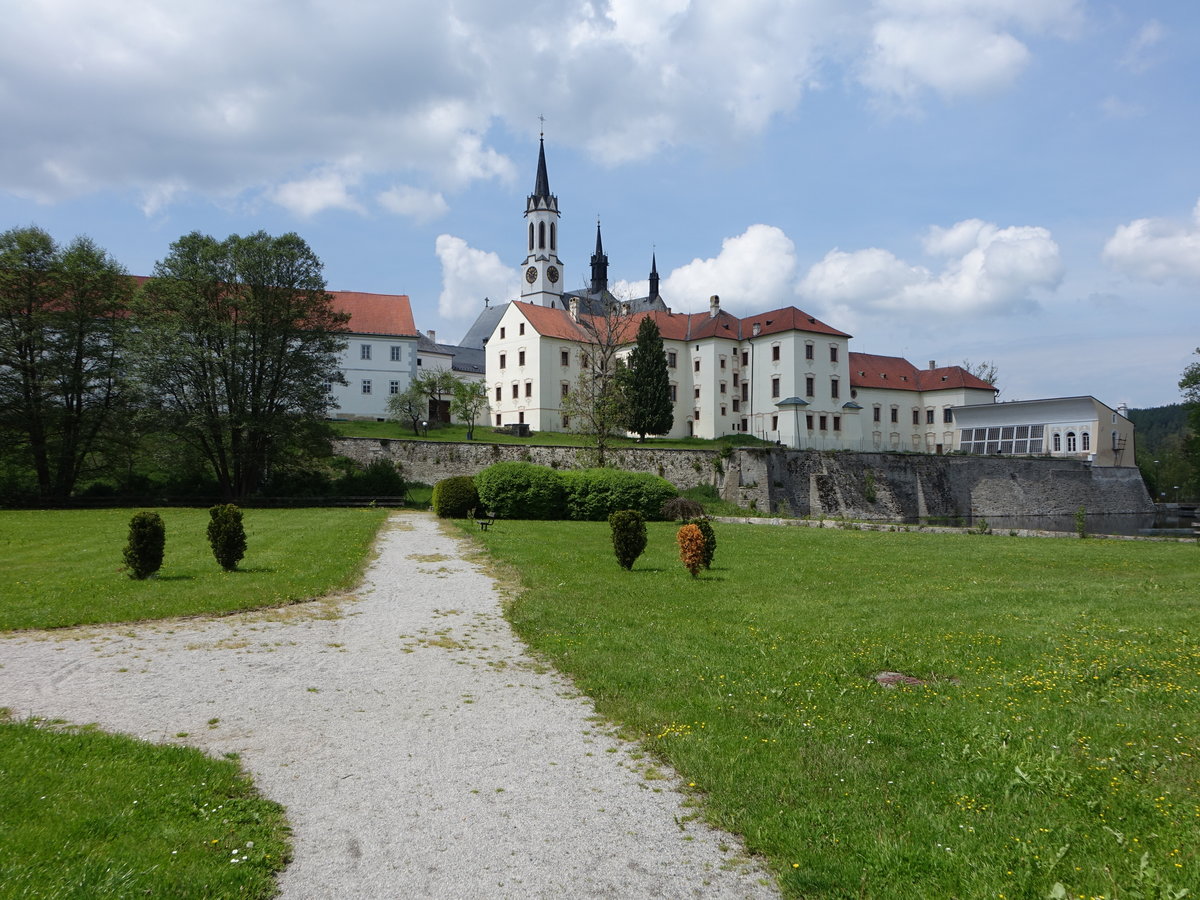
543, 274
653, 275
599, 265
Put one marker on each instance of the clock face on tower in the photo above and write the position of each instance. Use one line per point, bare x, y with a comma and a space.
531, 274
552, 274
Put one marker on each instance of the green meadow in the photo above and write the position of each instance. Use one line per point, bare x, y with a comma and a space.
1047, 746
64, 567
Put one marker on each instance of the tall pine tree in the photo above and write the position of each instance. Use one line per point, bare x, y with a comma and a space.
647, 384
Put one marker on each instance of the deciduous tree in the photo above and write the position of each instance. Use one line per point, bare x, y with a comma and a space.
470, 399
596, 405
63, 323
236, 341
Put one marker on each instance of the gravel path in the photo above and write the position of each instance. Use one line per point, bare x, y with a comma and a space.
419, 750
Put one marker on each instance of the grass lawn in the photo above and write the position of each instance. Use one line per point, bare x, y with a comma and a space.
88, 814
65, 567
1053, 750
486, 434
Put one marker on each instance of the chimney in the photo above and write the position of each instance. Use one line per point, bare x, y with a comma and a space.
432, 335
932, 364
574, 309
1123, 410
714, 305
625, 307
756, 330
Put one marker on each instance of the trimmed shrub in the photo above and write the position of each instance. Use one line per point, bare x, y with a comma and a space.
147, 542
378, 478
681, 509
521, 490
628, 535
454, 498
710, 538
226, 535
691, 548
592, 495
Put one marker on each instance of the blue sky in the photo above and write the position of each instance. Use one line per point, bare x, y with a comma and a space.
1007, 180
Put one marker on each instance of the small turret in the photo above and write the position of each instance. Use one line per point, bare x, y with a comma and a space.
653, 276
599, 265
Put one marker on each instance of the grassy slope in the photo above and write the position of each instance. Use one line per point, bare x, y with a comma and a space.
1057, 742
65, 568
88, 814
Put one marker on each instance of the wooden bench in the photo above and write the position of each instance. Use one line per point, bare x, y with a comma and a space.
483, 519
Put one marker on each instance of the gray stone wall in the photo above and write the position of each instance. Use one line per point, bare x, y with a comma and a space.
842, 484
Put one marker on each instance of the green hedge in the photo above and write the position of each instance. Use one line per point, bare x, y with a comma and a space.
455, 497
521, 490
592, 495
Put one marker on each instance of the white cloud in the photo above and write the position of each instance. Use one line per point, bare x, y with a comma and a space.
324, 190
405, 200
754, 271
1139, 55
1157, 249
986, 270
469, 275
1116, 108
956, 48
208, 101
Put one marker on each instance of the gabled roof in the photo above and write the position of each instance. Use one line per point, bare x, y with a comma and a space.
388, 314
788, 318
896, 373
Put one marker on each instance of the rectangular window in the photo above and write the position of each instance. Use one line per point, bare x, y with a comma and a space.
948, 415
878, 413
497, 393
529, 389
520, 357
774, 387
566, 421
696, 393
420, 362
674, 393
735, 379
895, 415
736, 407
833, 353
808, 351
497, 416
929, 417
745, 391
774, 423
501, 334
837, 423
397, 354
366, 386
833, 388
696, 365
722, 410
503, 360
810, 387
521, 328
516, 389
672, 359
566, 389
520, 417
364, 351
745, 360
696, 414
775, 353
824, 420
722, 387
564, 358
808, 422
916, 417
393, 387
722, 362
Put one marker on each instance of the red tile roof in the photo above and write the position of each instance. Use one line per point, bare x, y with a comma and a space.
376, 313
787, 319
870, 371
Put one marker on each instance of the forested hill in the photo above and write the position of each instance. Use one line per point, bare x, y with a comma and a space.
1159, 423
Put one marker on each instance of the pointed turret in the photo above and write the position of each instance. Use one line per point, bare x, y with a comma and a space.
653, 276
541, 186
599, 265
543, 281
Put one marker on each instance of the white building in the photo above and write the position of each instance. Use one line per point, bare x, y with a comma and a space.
380, 358
1073, 427
781, 375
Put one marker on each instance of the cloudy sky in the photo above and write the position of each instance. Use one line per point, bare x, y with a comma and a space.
1007, 180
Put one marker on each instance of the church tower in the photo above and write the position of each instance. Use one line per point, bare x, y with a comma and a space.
542, 278
599, 266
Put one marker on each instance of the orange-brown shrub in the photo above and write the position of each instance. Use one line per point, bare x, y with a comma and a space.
691, 548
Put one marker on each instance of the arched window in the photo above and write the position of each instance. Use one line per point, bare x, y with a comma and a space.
553, 237
1070, 442
1057, 442
541, 235
531, 236
1085, 440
